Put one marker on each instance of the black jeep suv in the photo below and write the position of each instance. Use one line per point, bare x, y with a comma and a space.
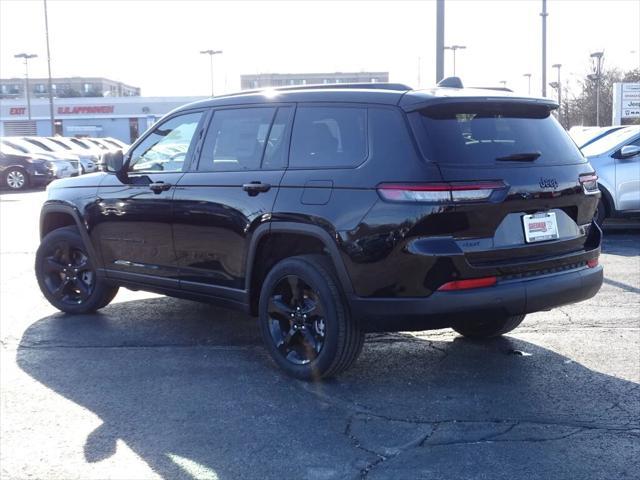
330, 211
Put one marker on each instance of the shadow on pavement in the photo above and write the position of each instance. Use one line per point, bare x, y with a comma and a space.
190, 390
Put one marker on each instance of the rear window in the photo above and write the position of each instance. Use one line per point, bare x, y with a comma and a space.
494, 134
329, 137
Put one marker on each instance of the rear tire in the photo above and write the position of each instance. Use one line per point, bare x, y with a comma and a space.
601, 213
16, 178
66, 274
304, 319
489, 328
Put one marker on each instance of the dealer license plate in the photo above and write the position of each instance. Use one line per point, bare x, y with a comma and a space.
540, 227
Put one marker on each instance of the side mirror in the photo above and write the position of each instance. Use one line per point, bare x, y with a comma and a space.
114, 161
629, 151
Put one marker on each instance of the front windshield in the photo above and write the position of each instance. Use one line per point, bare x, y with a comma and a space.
611, 141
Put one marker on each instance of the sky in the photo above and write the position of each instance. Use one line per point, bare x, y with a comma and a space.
155, 45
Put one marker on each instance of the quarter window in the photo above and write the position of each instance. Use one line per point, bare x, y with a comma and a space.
236, 140
329, 137
165, 149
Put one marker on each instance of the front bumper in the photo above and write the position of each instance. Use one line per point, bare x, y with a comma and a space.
445, 309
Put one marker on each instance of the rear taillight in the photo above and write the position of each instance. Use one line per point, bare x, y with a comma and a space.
589, 183
592, 263
467, 284
439, 192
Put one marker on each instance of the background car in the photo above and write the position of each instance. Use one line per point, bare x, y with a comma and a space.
67, 165
90, 157
584, 136
19, 171
88, 162
616, 159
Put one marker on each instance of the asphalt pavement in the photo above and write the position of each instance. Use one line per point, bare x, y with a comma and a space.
155, 387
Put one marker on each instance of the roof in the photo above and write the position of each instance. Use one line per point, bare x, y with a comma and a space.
375, 93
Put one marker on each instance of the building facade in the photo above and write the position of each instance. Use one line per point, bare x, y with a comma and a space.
124, 118
266, 80
13, 88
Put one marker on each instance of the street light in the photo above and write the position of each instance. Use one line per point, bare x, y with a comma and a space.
528, 75
453, 48
26, 57
211, 53
504, 83
597, 56
559, 87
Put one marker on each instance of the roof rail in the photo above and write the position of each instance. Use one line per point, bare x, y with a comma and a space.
499, 89
323, 86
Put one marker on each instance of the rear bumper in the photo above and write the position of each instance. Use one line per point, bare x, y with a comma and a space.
444, 309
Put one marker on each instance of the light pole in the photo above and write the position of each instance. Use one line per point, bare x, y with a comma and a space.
528, 75
439, 40
453, 48
211, 53
544, 16
26, 57
504, 83
46, 31
597, 56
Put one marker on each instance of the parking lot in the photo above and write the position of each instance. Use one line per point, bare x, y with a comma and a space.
154, 387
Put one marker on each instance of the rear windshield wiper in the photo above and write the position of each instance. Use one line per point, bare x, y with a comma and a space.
519, 157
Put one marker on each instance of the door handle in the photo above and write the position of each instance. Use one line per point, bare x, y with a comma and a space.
157, 187
254, 188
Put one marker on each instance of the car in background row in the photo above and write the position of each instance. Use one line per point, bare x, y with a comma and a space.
19, 171
88, 159
616, 158
67, 165
584, 136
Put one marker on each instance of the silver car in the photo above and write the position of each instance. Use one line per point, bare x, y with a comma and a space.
616, 159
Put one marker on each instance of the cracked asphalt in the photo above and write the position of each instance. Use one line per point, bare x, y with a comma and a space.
154, 387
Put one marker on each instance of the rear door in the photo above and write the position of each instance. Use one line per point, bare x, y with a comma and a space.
227, 194
523, 147
135, 212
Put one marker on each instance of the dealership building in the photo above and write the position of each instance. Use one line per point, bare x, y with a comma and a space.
124, 118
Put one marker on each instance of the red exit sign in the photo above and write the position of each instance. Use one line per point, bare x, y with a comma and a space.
17, 110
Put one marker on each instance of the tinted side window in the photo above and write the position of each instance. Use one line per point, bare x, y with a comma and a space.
236, 139
165, 149
329, 137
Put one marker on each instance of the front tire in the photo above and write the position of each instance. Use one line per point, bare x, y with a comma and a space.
16, 178
66, 274
488, 328
304, 320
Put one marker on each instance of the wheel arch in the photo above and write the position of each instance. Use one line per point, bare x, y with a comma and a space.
54, 216
285, 239
608, 200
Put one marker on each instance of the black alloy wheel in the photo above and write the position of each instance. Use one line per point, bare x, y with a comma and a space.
67, 276
296, 320
304, 319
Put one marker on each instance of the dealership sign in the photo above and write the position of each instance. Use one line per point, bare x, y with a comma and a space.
85, 109
626, 102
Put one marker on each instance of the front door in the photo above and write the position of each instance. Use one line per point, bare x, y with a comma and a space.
133, 226
227, 195
628, 180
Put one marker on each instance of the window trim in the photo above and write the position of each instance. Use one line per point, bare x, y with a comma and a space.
367, 139
190, 150
195, 164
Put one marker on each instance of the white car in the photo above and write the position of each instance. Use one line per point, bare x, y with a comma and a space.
89, 160
616, 159
66, 165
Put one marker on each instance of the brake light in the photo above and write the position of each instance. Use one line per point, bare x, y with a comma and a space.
439, 192
592, 263
589, 183
468, 284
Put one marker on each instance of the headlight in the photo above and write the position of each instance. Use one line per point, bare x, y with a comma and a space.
53, 166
